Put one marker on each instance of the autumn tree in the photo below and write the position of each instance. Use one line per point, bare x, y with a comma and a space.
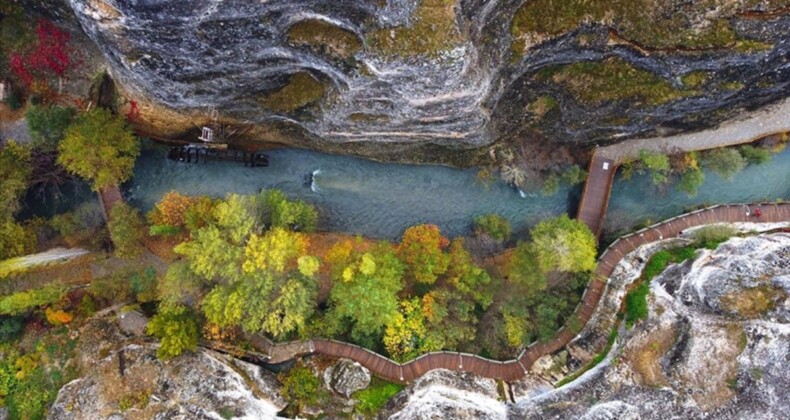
276, 292
563, 244
171, 209
99, 147
177, 329
127, 230
422, 249
366, 292
406, 335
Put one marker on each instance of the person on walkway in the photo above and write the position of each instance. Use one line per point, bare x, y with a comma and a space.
757, 212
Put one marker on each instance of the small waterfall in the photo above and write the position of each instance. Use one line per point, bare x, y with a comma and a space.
313, 184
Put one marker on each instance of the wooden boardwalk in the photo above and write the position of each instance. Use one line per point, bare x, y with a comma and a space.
597, 188
514, 369
108, 197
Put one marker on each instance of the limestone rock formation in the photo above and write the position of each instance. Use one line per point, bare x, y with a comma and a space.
124, 379
460, 74
346, 377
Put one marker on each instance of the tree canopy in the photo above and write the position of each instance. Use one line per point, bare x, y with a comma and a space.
176, 328
422, 249
99, 147
564, 244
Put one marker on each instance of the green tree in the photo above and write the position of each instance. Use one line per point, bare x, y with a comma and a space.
690, 181
278, 211
466, 277
563, 244
48, 124
14, 177
367, 291
574, 175
405, 335
127, 230
179, 285
15, 240
657, 164
421, 248
211, 255
725, 162
551, 185
177, 329
493, 225
755, 155
523, 268
99, 147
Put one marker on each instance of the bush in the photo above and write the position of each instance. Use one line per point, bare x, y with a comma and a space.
300, 386
690, 181
177, 328
127, 230
15, 240
574, 175
712, 235
278, 211
11, 328
551, 185
755, 155
494, 226
21, 302
47, 124
14, 100
725, 162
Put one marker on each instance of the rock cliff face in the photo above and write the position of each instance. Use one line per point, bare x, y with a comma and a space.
126, 380
458, 73
715, 344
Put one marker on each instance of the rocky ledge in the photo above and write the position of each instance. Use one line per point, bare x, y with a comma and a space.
125, 380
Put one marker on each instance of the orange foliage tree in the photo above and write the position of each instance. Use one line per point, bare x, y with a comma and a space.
171, 209
422, 249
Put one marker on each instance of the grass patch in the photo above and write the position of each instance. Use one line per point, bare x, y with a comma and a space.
649, 23
373, 398
432, 31
710, 237
636, 299
323, 35
612, 79
301, 90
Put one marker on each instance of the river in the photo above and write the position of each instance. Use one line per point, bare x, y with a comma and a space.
380, 200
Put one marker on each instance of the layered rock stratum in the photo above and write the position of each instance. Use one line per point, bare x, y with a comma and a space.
459, 74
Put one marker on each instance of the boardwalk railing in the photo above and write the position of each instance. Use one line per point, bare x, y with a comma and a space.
514, 369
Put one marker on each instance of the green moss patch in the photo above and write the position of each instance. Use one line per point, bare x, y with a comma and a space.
432, 31
652, 24
373, 398
317, 33
301, 90
696, 78
612, 79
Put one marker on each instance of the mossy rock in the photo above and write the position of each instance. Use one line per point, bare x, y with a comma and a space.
696, 78
301, 90
333, 39
432, 31
649, 23
612, 79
